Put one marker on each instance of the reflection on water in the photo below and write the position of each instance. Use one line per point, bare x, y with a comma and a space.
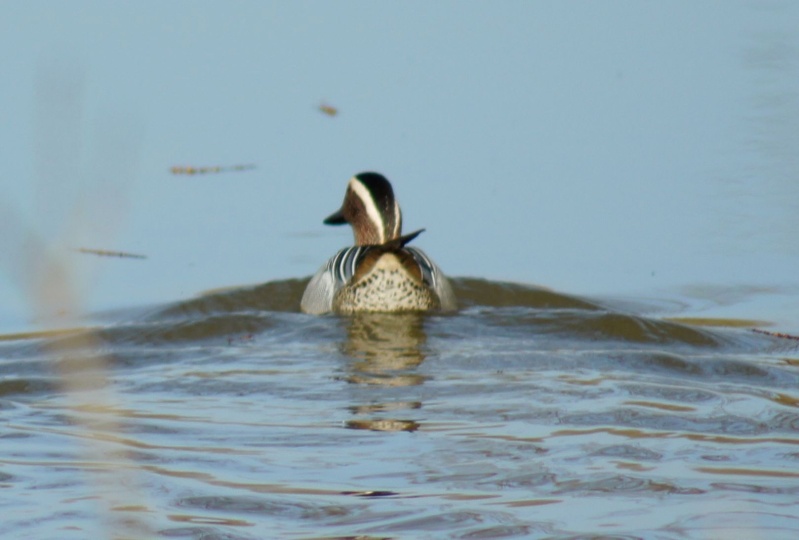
385, 350
385, 347
528, 413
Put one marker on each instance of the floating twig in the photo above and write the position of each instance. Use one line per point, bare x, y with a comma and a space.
106, 253
328, 109
209, 170
775, 334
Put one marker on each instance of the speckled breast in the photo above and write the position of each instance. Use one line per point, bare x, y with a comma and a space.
387, 287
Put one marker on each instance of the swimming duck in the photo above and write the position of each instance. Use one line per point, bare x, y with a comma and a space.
380, 273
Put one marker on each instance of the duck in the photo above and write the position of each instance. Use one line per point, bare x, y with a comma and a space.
380, 273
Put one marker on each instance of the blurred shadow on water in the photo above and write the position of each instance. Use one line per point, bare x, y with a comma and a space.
73, 195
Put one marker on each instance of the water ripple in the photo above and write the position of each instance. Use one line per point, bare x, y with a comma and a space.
529, 413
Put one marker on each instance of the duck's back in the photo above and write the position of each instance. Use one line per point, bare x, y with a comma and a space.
372, 278
392, 282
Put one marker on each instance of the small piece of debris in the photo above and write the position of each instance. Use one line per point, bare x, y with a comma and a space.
209, 170
328, 109
107, 253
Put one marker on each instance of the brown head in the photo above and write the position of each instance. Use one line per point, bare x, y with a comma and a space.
370, 208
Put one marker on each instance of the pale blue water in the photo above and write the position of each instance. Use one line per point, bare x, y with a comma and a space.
627, 148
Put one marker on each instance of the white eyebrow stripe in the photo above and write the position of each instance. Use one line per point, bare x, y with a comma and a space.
375, 216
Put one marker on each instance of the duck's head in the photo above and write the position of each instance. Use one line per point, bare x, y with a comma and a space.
370, 208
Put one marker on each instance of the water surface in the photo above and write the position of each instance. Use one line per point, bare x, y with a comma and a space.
637, 157
529, 413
